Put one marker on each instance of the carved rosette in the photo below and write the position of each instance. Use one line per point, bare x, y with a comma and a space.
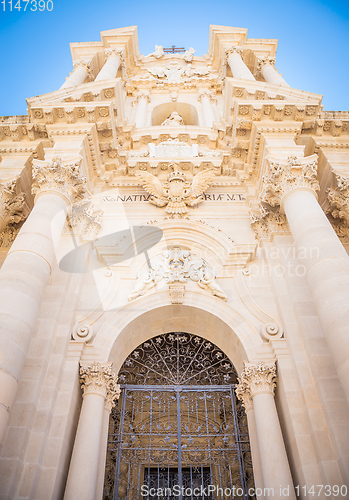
286, 175
60, 176
256, 378
268, 222
13, 207
100, 379
339, 198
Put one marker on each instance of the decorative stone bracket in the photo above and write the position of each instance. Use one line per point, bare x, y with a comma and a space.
339, 198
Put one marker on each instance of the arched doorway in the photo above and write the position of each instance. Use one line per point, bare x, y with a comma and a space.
178, 426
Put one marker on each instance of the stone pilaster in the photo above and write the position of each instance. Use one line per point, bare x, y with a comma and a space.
100, 390
143, 99
206, 97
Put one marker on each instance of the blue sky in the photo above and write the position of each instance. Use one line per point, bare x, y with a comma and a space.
312, 54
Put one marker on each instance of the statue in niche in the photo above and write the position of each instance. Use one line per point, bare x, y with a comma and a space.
173, 120
188, 55
159, 52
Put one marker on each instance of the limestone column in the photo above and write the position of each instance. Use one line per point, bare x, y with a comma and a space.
244, 395
78, 76
141, 111
108, 405
237, 65
111, 66
259, 381
292, 184
98, 382
27, 267
270, 75
205, 99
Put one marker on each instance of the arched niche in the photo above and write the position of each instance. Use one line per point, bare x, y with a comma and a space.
187, 111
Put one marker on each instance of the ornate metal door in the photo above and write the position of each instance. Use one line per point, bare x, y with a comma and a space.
178, 430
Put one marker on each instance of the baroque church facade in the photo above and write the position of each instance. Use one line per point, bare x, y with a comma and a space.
174, 286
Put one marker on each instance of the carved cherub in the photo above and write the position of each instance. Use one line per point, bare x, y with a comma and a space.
177, 193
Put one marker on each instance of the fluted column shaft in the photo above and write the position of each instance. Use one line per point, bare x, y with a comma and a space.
24, 276
258, 381
141, 112
237, 65
292, 183
110, 68
98, 383
78, 76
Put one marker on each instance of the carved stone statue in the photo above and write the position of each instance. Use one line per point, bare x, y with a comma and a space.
173, 120
158, 53
177, 193
188, 55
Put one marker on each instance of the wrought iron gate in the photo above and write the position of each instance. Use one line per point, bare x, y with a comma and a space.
169, 439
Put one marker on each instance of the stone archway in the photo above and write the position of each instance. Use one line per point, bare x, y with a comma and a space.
178, 426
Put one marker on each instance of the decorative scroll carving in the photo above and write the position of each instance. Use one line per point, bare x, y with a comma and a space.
232, 49
176, 265
263, 61
115, 52
268, 222
100, 379
256, 378
86, 220
61, 176
286, 175
177, 193
339, 198
13, 207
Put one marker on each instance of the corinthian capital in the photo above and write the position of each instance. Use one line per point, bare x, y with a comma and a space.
13, 207
265, 60
232, 49
115, 52
100, 379
284, 175
257, 378
339, 198
60, 176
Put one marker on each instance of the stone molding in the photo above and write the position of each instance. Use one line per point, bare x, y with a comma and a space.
100, 379
338, 198
256, 378
60, 176
285, 175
